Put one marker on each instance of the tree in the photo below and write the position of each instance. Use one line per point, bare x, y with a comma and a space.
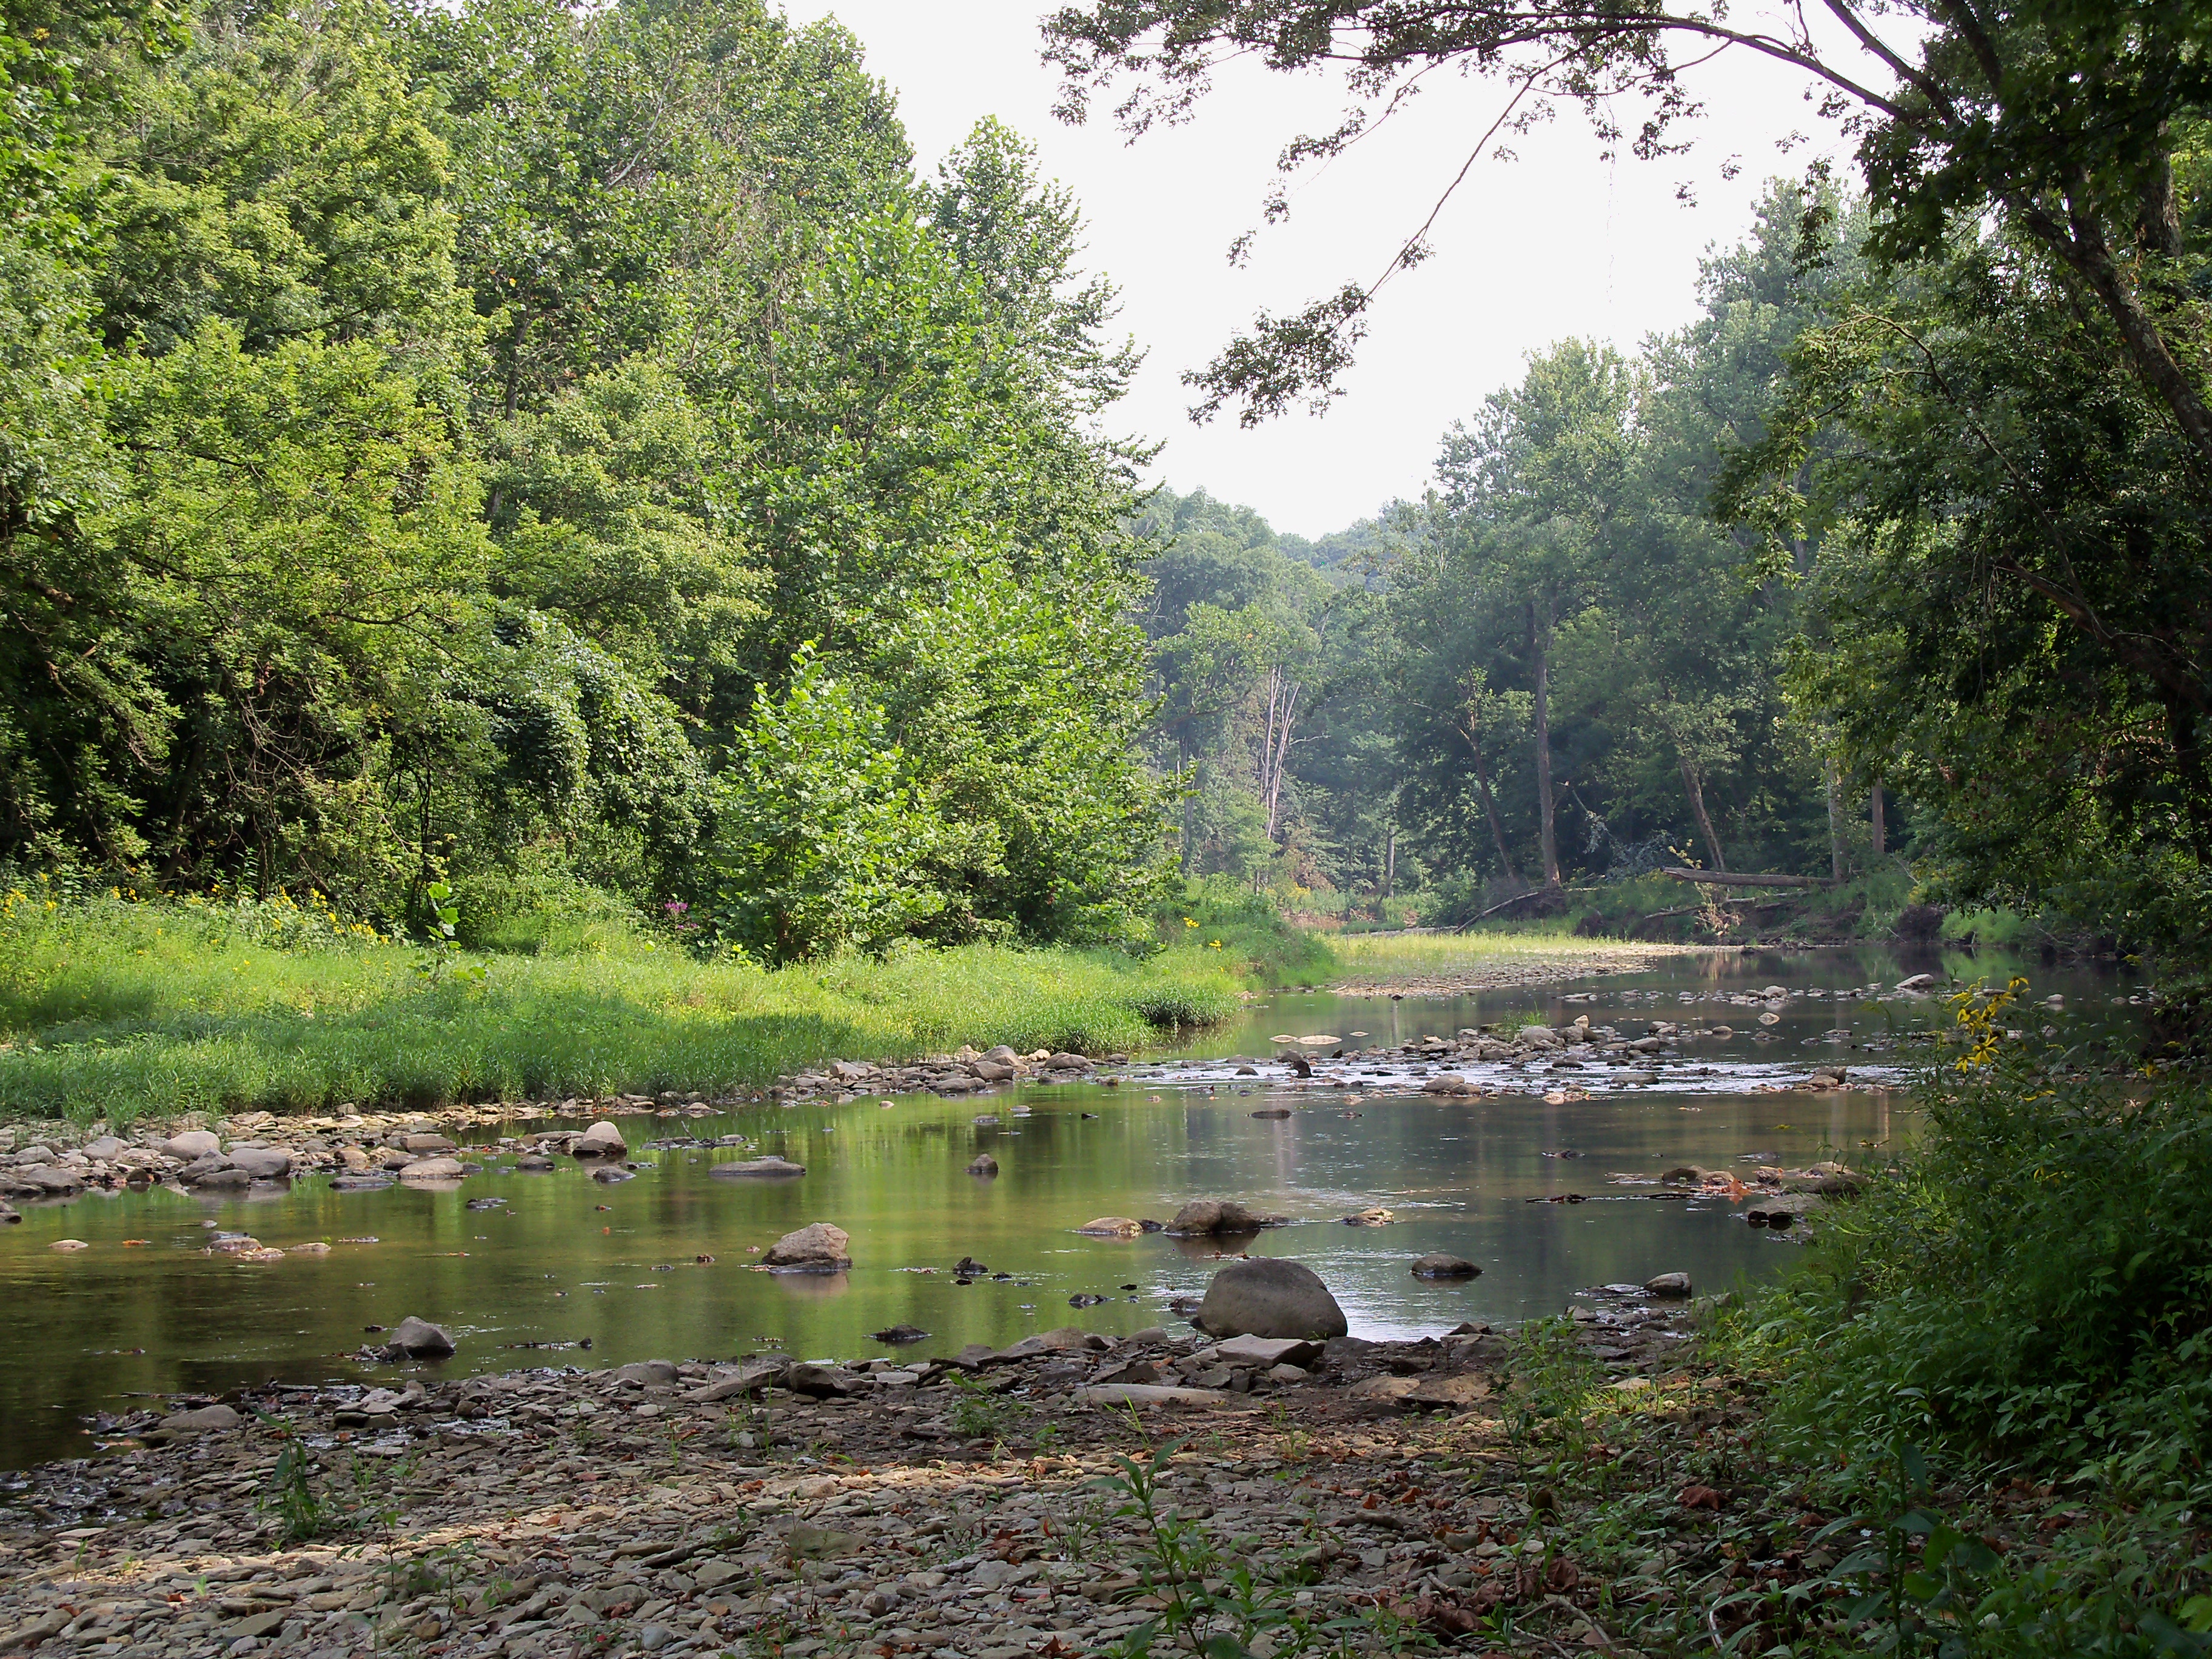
1533, 491
2056, 115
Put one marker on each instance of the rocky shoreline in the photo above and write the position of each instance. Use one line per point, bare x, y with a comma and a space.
950, 1506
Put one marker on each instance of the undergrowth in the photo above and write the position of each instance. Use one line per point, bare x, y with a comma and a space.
1977, 1421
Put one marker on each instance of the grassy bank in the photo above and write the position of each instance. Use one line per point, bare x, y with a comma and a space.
110, 1009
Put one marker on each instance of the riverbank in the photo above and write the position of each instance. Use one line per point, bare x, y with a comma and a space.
1446, 964
110, 1011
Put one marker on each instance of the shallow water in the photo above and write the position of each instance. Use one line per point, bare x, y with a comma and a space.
559, 1258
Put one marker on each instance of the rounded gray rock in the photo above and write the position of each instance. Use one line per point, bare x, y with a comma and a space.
420, 1339
1267, 1296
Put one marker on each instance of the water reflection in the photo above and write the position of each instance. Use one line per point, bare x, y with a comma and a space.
564, 1259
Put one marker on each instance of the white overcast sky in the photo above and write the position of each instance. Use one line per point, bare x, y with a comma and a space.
1553, 244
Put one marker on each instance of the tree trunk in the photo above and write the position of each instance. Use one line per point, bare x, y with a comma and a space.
1880, 829
1835, 824
1390, 860
1540, 648
1695, 788
1469, 731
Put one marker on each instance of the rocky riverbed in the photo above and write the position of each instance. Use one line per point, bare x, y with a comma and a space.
954, 1505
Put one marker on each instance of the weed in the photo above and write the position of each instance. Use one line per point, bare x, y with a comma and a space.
978, 1412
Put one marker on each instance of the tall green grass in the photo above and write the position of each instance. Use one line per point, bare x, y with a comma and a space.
111, 1009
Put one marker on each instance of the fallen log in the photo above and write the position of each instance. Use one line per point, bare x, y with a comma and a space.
1723, 878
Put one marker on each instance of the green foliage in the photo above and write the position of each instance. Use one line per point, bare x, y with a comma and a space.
821, 842
429, 440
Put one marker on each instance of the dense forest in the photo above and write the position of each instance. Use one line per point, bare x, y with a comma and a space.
1558, 665
542, 446
532, 447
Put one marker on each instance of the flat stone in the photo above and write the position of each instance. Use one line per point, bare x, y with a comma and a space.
207, 1419
433, 1168
750, 1376
1153, 1394
1265, 1351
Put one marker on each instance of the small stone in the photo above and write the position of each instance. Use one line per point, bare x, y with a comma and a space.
819, 1247
820, 1381
418, 1338
602, 1140
207, 1419
1112, 1226
69, 1245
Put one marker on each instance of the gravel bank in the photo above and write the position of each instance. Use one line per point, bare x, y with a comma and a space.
944, 1507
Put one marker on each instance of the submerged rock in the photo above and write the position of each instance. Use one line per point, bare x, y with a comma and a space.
984, 1164
766, 1168
1269, 1296
1111, 1226
1438, 1264
1203, 1216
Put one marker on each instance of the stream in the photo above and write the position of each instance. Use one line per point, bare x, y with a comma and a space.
525, 1269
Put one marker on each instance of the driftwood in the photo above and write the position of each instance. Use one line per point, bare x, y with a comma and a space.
1722, 879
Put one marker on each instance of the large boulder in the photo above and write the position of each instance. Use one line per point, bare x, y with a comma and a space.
191, 1144
819, 1249
1205, 1216
602, 1140
1269, 1296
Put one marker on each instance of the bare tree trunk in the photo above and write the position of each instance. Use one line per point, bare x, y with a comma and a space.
1694, 786
1835, 824
1282, 707
1880, 827
1390, 859
1540, 648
